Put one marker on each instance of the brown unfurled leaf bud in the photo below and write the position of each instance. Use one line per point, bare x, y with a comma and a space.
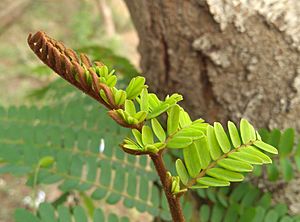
85, 60
98, 63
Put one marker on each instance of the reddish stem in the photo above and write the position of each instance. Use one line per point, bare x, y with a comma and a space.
173, 200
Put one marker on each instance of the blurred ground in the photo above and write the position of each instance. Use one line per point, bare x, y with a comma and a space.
77, 23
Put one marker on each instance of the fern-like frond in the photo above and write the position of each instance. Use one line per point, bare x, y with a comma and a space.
47, 213
243, 203
85, 151
288, 159
218, 158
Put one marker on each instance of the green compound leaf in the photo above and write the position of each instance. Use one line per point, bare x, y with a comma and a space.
47, 213
213, 155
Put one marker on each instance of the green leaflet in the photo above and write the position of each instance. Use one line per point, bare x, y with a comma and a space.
247, 131
287, 169
140, 116
286, 142
214, 148
266, 147
147, 135
129, 144
190, 132
192, 160
144, 100
46, 161
135, 87
222, 137
226, 175
175, 185
158, 110
179, 142
254, 151
130, 108
204, 213
184, 119
173, 119
247, 157
202, 146
258, 136
273, 172
153, 101
182, 172
234, 134
158, 130
111, 81
235, 165
138, 136
119, 96
209, 181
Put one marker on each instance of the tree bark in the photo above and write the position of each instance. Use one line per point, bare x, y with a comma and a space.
224, 70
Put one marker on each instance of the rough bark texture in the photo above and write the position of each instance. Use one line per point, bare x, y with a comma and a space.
229, 58
241, 63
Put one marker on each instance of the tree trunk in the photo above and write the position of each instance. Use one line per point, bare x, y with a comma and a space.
227, 60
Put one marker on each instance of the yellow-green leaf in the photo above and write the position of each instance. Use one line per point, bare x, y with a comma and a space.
214, 147
191, 155
254, 151
138, 136
144, 100
247, 131
209, 181
235, 165
204, 152
46, 161
246, 157
234, 134
226, 175
158, 130
179, 142
222, 137
130, 108
184, 119
173, 119
266, 147
147, 135
182, 172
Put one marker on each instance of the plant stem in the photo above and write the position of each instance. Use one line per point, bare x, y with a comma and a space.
173, 200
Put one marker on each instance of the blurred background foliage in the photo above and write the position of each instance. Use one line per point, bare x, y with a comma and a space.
80, 24
100, 28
